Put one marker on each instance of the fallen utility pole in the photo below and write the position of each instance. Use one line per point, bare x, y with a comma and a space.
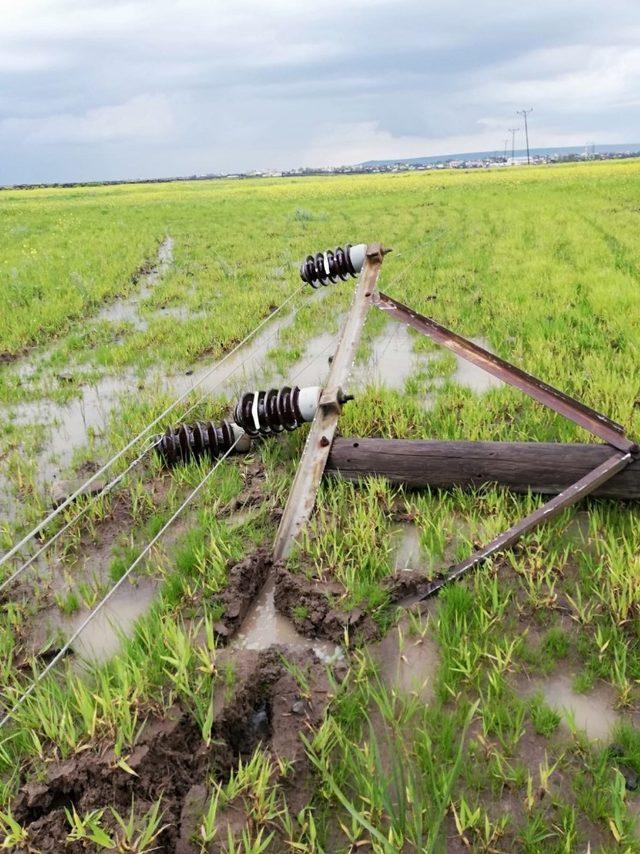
326, 267
546, 468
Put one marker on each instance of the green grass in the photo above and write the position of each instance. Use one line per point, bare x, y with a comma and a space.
544, 264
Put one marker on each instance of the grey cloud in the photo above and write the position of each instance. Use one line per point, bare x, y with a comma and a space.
106, 89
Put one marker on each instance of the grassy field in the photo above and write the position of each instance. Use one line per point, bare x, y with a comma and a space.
503, 717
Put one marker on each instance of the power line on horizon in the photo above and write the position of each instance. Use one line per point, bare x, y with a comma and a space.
524, 114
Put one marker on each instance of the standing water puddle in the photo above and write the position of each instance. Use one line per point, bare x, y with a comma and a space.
68, 426
405, 544
406, 662
102, 637
313, 367
409, 553
473, 377
593, 712
264, 626
128, 310
392, 360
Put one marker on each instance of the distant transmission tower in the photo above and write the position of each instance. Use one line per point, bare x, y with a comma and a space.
506, 143
524, 114
513, 132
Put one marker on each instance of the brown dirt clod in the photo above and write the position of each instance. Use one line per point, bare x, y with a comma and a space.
245, 580
323, 619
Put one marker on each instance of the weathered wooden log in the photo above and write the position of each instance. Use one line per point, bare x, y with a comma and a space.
541, 467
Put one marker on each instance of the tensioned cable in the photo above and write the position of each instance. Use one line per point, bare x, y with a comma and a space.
137, 438
199, 400
104, 491
142, 433
115, 481
67, 645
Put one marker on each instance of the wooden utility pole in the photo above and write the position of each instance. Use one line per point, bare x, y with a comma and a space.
542, 467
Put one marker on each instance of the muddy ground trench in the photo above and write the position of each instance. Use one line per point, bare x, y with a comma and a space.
261, 639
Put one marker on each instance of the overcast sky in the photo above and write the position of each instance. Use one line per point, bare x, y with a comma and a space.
93, 89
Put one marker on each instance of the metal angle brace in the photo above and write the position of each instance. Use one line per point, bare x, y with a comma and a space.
568, 497
311, 467
595, 422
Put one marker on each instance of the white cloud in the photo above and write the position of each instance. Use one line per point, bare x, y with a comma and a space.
573, 77
20, 60
144, 117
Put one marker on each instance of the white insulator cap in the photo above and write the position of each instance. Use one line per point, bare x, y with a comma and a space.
357, 254
239, 436
308, 400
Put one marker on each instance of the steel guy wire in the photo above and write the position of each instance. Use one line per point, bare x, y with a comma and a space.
153, 423
139, 458
152, 443
104, 491
39, 527
67, 645
78, 631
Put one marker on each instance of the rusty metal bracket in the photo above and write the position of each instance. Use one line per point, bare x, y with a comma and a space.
596, 423
302, 496
571, 495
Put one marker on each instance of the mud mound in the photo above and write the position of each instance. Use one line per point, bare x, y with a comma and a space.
407, 584
168, 756
171, 761
245, 581
295, 595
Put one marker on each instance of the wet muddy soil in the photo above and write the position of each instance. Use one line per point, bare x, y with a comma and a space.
172, 762
245, 580
55, 580
263, 627
313, 608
